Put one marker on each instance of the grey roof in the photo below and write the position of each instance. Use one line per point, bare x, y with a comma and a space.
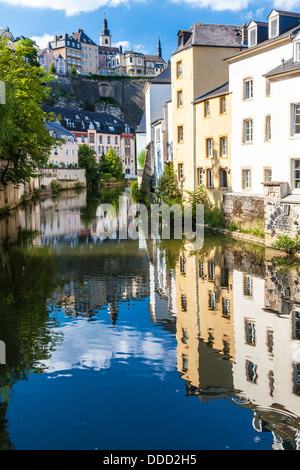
154, 58
141, 128
265, 24
289, 66
163, 77
285, 13
60, 131
82, 37
293, 30
220, 35
83, 119
221, 90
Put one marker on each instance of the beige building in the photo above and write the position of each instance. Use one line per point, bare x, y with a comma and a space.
212, 113
197, 67
89, 53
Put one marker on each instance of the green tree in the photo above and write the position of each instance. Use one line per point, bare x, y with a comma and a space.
111, 163
52, 68
25, 143
73, 71
87, 159
167, 186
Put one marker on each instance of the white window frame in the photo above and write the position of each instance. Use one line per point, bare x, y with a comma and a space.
246, 176
250, 37
296, 181
209, 148
297, 51
200, 176
272, 31
248, 131
210, 178
295, 118
224, 147
248, 89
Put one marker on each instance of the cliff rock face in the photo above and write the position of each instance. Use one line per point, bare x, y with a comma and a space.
121, 97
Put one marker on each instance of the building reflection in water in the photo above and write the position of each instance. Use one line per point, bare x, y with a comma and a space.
235, 314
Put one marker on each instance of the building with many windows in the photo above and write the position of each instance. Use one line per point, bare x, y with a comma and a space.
100, 131
70, 49
212, 113
66, 155
197, 68
264, 80
89, 52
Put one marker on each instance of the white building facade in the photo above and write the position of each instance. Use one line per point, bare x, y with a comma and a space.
264, 81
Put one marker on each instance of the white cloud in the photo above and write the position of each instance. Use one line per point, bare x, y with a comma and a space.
42, 41
71, 7
128, 46
289, 5
218, 5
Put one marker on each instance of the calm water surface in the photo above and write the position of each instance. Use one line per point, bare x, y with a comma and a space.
142, 345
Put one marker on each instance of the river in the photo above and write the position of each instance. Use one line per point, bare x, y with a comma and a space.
141, 344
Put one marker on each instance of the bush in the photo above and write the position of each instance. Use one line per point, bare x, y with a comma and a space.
140, 195
285, 243
55, 185
213, 217
167, 187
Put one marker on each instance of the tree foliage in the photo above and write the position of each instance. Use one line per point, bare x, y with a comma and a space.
25, 143
111, 163
167, 186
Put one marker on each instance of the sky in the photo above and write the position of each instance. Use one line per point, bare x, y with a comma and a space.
136, 24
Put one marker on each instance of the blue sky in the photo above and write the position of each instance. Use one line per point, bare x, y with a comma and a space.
134, 23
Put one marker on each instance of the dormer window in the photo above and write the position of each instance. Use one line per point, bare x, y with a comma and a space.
274, 30
297, 52
252, 37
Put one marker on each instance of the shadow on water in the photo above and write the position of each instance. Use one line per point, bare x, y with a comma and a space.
220, 326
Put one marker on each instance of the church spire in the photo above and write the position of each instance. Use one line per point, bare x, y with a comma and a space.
159, 51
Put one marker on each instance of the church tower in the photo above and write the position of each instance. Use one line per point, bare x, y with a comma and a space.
105, 37
159, 51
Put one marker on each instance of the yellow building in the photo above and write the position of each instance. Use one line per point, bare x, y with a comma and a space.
205, 322
89, 53
197, 67
212, 113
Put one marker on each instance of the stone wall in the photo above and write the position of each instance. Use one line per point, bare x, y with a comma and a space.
243, 209
68, 178
11, 194
282, 211
82, 93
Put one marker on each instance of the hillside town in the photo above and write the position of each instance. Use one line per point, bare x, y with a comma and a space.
178, 346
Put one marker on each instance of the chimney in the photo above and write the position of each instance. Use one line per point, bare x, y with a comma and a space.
244, 35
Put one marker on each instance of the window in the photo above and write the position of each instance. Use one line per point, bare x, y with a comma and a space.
180, 171
296, 118
274, 28
250, 333
251, 372
296, 174
248, 89
248, 131
108, 139
223, 178
267, 174
179, 99
200, 176
183, 303
212, 300
246, 178
180, 134
252, 37
206, 109
209, 148
268, 129
226, 307
211, 271
223, 105
297, 52
182, 265
210, 180
223, 145
268, 87
296, 325
296, 378
179, 69
247, 286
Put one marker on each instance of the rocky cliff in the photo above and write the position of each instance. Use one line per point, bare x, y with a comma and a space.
121, 97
